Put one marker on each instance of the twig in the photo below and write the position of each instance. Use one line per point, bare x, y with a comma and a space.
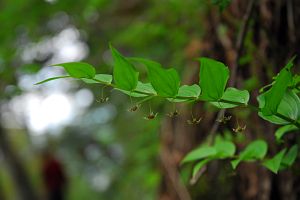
173, 175
241, 40
215, 126
195, 178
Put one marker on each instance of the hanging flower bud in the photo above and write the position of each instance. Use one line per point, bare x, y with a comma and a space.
173, 114
151, 115
224, 119
134, 108
103, 100
194, 121
239, 129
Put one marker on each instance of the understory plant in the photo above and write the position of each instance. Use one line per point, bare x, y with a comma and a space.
278, 103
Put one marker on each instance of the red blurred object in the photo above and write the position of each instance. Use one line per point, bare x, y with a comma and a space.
54, 177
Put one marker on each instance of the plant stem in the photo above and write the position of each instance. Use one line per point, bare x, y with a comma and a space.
145, 99
114, 86
296, 123
252, 107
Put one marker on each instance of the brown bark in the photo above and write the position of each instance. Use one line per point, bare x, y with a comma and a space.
174, 143
273, 25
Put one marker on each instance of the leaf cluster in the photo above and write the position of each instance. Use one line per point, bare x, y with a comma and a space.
280, 104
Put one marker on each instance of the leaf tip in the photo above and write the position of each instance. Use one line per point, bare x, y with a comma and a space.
111, 46
235, 163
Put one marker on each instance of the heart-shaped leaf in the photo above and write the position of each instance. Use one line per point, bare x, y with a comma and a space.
78, 69
199, 153
273, 164
189, 92
125, 75
213, 79
283, 130
255, 150
235, 95
166, 82
224, 148
290, 157
141, 90
289, 107
275, 94
99, 78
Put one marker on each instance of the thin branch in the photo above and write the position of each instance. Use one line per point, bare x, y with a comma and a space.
215, 127
180, 190
241, 40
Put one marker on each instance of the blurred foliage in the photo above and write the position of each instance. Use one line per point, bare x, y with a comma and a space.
113, 158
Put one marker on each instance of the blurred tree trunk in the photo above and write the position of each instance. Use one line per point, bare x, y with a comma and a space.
16, 169
1, 191
272, 27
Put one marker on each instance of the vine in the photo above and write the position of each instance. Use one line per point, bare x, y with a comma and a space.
278, 103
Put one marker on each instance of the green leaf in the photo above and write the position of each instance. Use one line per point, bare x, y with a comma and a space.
273, 164
99, 78
188, 91
199, 165
145, 87
235, 163
233, 94
255, 150
289, 107
275, 94
295, 86
51, 79
283, 130
125, 75
296, 81
199, 153
166, 82
213, 79
78, 69
224, 148
290, 157
141, 88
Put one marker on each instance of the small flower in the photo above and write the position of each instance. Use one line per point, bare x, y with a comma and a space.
239, 129
224, 119
134, 108
173, 114
194, 121
151, 115
103, 100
